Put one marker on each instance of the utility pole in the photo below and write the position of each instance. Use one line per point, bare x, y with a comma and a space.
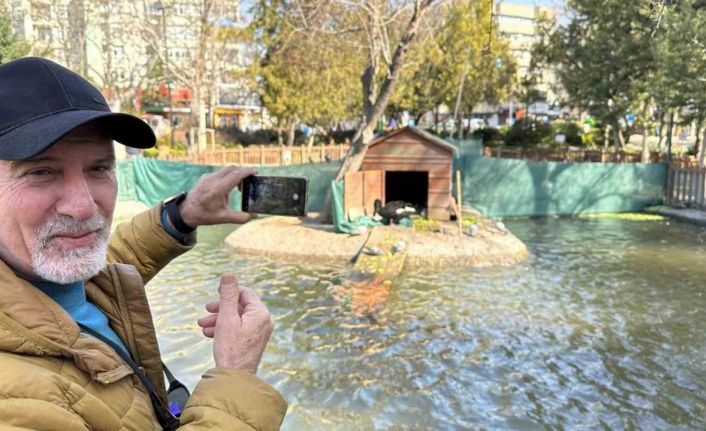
168, 76
460, 94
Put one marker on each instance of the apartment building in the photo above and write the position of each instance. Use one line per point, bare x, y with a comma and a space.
518, 23
122, 45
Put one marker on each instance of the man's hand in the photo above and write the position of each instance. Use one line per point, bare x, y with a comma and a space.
240, 326
207, 202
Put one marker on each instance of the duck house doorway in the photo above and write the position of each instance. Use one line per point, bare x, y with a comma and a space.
411, 187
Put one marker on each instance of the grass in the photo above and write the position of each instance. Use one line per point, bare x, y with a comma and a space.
625, 216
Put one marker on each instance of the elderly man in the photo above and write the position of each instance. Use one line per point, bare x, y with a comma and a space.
78, 349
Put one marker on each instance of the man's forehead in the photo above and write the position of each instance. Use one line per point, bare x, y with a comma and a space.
79, 147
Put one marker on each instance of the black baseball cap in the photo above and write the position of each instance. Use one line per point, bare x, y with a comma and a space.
41, 101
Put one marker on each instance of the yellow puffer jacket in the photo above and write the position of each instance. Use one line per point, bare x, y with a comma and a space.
52, 377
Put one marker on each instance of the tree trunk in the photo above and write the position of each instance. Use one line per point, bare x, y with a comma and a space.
606, 137
661, 133
702, 150
699, 144
645, 146
617, 136
374, 103
290, 133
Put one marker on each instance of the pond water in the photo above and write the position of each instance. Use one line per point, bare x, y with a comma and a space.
604, 327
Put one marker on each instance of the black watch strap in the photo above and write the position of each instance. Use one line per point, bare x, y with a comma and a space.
172, 208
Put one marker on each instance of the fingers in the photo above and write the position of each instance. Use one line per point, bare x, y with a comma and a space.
207, 321
238, 217
229, 300
212, 307
231, 176
249, 299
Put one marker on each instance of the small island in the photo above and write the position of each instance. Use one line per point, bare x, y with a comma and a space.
441, 245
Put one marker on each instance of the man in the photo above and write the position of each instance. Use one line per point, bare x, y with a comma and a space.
78, 349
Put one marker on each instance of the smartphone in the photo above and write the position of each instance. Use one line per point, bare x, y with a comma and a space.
275, 195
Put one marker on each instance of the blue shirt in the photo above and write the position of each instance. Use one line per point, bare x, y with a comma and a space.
72, 298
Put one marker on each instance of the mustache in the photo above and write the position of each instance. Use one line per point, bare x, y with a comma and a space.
68, 225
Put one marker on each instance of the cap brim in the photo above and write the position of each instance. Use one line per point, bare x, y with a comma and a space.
36, 136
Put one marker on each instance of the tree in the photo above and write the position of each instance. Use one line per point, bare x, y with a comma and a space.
11, 46
197, 63
304, 74
603, 57
459, 46
680, 82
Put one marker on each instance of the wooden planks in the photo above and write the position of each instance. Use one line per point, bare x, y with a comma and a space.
686, 186
360, 190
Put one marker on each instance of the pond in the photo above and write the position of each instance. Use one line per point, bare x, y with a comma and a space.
604, 327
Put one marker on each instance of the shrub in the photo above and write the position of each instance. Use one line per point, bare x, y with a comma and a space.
489, 135
570, 130
529, 133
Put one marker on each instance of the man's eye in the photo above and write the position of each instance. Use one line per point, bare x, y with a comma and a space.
39, 172
102, 168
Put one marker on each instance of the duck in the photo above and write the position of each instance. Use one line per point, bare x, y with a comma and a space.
393, 211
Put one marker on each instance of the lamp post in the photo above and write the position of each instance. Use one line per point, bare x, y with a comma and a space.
168, 75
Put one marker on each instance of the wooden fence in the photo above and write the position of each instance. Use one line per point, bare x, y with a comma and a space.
264, 155
569, 155
685, 186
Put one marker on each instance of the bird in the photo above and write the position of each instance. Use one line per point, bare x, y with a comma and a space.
501, 227
399, 247
393, 211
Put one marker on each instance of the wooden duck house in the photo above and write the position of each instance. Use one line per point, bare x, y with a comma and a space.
407, 165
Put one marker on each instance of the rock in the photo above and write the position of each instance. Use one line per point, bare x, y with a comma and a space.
372, 251
359, 230
501, 227
473, 230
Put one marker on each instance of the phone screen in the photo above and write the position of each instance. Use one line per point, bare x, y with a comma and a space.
275, 195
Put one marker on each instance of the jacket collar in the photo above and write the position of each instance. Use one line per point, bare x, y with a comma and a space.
31, 323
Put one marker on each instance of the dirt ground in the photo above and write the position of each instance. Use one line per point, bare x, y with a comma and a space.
305, 239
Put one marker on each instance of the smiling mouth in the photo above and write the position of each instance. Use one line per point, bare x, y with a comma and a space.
76, 239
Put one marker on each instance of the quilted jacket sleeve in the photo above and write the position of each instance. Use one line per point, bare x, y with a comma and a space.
233, 400
143, 243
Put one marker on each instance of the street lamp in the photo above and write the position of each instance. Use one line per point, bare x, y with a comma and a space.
168, 75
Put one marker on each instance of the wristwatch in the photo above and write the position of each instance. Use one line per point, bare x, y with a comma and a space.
171, 206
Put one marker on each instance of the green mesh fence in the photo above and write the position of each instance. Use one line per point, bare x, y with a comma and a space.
151, 181
497, 187
509, 187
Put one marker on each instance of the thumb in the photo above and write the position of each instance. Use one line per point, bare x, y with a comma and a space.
230, 296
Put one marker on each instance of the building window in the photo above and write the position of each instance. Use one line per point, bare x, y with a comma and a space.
41, 12
61, 10
118, 52
508, 19
179, 53
44, 34
155, 8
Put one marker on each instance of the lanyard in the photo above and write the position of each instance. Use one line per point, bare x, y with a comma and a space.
177, 395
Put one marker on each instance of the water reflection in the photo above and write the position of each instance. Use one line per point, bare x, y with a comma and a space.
602, 328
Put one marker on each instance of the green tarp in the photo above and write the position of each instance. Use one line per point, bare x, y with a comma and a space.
510, 187
150, 180
340, 221
497, 187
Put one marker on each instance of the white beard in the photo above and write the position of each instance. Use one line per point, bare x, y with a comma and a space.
52, 263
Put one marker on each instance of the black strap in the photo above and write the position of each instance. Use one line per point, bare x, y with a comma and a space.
166, 418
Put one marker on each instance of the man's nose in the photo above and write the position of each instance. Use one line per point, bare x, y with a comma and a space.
77, 200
